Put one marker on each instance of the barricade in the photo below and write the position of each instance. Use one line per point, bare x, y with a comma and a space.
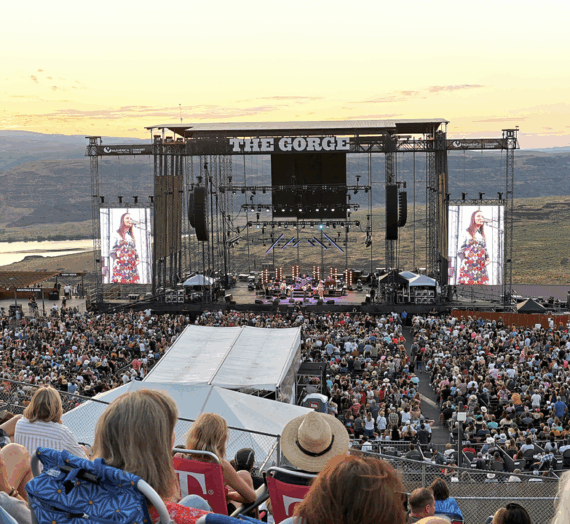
480, 493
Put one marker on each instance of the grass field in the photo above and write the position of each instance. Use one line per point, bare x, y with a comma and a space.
541, 253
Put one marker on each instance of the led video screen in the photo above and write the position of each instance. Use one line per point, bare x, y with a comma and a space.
476, 245
126, 245
314, 170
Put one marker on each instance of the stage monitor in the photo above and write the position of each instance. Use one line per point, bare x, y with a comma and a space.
476, 245
309, 169
126, 245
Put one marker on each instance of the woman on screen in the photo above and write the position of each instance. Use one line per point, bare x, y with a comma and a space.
473, 253
124, 253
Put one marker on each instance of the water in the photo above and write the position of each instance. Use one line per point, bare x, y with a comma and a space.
11, 252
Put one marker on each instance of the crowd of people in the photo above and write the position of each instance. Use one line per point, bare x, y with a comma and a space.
80, 353
512, 382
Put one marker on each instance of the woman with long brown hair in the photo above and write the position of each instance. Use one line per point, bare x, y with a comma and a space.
124, 253
353, 489
473, 253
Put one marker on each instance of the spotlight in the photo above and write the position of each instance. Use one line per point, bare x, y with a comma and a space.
263, 191
463, 195
447, 196
151, 197
136, 199
332, 209
481, 196
120, 199
253, 191
500, 195
243, 190
102, 199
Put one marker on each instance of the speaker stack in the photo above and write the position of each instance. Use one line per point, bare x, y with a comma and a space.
198, 212
391, 212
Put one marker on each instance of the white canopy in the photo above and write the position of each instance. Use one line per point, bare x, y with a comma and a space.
422, 280
241, 411
230, 357
199, 280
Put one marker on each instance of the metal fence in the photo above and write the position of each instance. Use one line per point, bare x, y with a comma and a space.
480, 493
15, 396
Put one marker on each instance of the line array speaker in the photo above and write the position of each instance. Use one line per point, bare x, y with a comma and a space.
402, 208
391, 212
198, 212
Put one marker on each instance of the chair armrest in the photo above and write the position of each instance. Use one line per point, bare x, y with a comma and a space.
262, 494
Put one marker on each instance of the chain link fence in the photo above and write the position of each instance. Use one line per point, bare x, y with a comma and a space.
480, 493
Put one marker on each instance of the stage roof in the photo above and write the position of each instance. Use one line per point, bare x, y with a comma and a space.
342, 127
10, 279
229, 357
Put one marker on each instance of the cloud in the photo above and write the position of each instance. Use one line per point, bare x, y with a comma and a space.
506, 119
40, 70
407, 94
34, 79
439, 89
205, 112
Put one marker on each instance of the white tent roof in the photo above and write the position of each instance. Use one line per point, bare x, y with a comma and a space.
229, 357
241, 411
199, 280
422, 280
408, 274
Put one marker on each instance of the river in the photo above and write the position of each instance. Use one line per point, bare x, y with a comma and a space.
11, 252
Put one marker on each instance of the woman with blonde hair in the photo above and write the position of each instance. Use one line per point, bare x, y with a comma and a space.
41, 425
210, 433
136, 434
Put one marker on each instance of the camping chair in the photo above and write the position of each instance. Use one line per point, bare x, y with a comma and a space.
202, 478
213, 518
285, 496
73, 490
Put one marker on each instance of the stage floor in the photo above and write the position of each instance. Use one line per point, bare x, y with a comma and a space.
241, 295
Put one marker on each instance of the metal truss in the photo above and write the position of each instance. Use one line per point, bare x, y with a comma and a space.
391, 177
510, 136
257, 208
476, 202
303, 224
294, 189
94, 142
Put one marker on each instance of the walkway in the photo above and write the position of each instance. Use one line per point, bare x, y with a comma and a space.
430, 409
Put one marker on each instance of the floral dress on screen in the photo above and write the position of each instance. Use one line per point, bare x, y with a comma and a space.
125, 268
473, 268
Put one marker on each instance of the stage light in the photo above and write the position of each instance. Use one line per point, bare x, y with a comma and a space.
282, 210
317, 209
258, 226
312, 225
366, 189
253, 192
120, 197
481, 196
243, 190
334, 225
286, 226
136, 199
332, 209
500, 195
447, 196
356, 191
321, 226
357, 223
263, 191
151, 197
463, 195
102, 199
300, 210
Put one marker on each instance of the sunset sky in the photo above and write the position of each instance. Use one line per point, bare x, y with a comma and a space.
112, 68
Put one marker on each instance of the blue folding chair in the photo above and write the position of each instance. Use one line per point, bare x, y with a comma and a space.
72, 490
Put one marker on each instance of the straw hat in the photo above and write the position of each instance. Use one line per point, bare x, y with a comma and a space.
310, 441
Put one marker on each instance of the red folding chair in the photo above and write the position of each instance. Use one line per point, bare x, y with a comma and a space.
202, 478
284, 497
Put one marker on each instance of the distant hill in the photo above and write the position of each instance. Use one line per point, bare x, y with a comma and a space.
46, 179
